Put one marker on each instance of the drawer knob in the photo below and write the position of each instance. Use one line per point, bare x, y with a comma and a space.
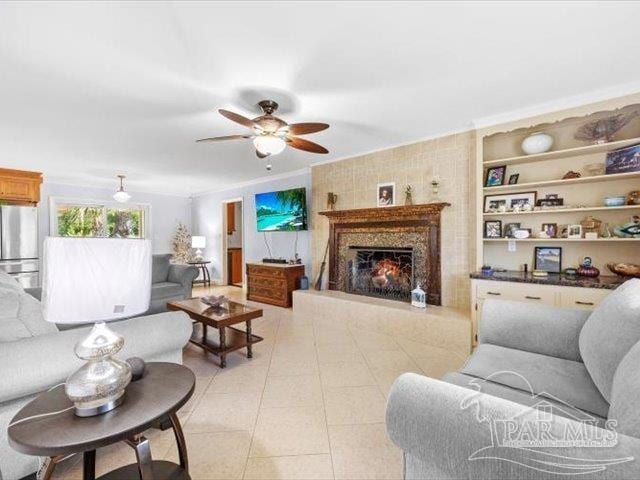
494, 293
578, 302
529, 297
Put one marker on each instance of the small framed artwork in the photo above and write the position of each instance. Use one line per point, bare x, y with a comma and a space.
510, 229
386, 194
495, 176
550, 229
548, 259
506, 201
492, 229
513, 179
574, 231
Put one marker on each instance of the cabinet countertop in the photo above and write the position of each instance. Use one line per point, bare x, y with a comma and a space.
610, 282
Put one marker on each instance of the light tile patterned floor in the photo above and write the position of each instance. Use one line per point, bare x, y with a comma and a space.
309, 405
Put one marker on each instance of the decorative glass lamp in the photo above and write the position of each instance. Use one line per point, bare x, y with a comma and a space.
119, 287
198, 242
418, 297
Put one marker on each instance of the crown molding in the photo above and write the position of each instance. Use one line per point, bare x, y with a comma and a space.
558, 105
49, 180
255, 181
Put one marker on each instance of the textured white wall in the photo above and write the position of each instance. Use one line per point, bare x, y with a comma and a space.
207, 221
166, 210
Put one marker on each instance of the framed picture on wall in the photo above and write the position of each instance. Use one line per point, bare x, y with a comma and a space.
386, 194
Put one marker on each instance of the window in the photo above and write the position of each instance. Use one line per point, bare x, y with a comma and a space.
83, 218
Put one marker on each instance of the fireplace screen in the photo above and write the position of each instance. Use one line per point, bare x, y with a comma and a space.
380, 272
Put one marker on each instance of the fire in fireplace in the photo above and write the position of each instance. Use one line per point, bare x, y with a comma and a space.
380, 272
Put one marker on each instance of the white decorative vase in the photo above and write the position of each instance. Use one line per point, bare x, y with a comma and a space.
537, 142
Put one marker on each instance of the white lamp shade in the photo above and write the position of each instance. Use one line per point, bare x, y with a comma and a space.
90, 280
269, 144
198, 241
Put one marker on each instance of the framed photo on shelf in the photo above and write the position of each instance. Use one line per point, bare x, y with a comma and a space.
507, 201
510, 229
550, 229
495, 176
548, 259
513, 179
386, 194
574, 231
492, 229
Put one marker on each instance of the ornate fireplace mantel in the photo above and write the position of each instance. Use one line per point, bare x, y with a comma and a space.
416, 226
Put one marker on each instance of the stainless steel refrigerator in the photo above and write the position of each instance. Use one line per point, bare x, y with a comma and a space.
19, 244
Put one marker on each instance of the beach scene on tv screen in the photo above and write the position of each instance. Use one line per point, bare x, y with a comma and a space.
285, 210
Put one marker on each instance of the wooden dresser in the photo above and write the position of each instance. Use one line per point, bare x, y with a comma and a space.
273, 283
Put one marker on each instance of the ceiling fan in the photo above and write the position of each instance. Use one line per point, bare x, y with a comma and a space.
271, 134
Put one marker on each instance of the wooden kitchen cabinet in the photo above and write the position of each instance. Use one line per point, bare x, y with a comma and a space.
231, 218
19, 186
234, 265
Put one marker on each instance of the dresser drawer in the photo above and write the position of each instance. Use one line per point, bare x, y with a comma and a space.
275, 283
274, 272
519, 292
582, 298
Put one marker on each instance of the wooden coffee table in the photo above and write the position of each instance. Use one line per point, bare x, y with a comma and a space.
221, 318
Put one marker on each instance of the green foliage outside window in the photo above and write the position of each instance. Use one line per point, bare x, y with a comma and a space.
100, 221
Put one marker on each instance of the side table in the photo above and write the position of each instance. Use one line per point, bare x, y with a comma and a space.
155, 398
202, 265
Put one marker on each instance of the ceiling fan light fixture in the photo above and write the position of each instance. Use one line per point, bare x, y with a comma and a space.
269, 144
121, 196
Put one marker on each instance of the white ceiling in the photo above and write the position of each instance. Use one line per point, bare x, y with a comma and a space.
91, 89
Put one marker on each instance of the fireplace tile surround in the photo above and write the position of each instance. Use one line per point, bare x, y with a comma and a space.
410, 226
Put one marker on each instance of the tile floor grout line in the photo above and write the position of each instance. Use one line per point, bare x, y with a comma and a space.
246, 463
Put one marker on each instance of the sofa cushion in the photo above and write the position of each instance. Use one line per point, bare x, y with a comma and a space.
610, 332
556, 378
160, 268
166, 289
527, 398
20, 315
625, 393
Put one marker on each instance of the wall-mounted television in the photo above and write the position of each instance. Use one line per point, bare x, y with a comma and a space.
282, 211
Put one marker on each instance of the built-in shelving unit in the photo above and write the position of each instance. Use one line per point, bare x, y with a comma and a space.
561, 182
563, 153
543, 173
554, 211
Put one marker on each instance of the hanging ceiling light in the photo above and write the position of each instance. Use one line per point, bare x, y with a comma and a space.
121, 196
269, 144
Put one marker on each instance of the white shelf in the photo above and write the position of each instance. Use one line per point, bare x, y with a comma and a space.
568, 152
564, 210
546, 240
569, 181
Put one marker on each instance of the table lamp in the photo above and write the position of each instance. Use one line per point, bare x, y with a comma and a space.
198, 242
96, 280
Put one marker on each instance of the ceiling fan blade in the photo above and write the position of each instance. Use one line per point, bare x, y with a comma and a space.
260, 154
234, 117
306, 145
221, 139
305, 128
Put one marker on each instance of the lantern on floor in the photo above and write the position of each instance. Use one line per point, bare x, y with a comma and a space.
418, 297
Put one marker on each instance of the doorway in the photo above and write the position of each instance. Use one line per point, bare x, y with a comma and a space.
233, 254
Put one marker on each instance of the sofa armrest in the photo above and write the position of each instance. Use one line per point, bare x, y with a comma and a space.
455, 432
533, 328
34, 364
183, 274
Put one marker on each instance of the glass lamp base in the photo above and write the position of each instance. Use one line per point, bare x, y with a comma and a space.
99, 409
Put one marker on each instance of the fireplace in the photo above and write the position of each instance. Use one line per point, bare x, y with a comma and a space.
380, 272
386, 252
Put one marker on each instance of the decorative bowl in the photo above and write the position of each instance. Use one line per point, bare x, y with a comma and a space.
625, 269
615, 201
537, 142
